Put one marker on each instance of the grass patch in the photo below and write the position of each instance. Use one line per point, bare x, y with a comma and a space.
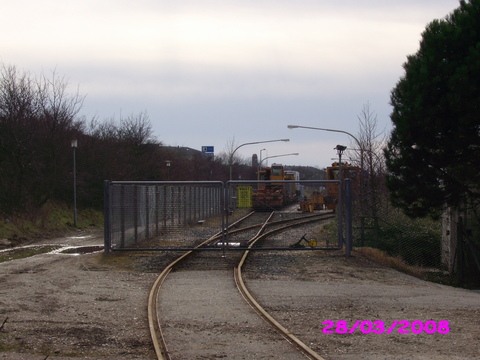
117, 259
395, 262
326, 235
438, 276
50, 220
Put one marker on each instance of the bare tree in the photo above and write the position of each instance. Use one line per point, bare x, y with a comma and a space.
60, 124
37, 120
230, 157
372, 141
103, 130
229, 153
370, 155
136, 129
18, 106
59, 107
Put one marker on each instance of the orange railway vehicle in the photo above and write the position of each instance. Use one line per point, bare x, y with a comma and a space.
348, 171
327, 198
273, 195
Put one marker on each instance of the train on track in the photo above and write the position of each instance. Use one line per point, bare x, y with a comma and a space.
273, 196
327, 198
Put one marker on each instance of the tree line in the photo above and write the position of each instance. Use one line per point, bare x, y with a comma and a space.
39, 118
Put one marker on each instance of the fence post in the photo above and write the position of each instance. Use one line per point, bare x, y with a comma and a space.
157, 209
135, 212
147, 212
191, 216
106, 217
348, 217
122, 216
164, 207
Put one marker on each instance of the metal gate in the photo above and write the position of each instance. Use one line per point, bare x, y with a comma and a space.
180, 215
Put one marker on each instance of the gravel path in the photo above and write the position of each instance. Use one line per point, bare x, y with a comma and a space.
67, 307
205, 317
306, 289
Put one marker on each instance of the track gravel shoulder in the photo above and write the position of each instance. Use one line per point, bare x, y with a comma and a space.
92, 306
305, 289
205, 317
60, 306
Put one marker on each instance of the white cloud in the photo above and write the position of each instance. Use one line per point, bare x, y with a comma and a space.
191, 61
263, 36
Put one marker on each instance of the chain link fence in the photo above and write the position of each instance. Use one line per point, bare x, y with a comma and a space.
161, 214
446, 250
181, 215
294, 200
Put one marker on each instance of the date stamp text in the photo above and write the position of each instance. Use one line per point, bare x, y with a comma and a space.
380, 327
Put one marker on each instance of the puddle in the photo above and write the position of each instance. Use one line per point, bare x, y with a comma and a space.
80, 237
80, 250
26, 251
32, 250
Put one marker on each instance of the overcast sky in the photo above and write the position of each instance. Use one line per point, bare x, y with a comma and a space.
207, 72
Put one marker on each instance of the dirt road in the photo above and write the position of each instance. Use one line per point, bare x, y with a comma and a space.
67, 306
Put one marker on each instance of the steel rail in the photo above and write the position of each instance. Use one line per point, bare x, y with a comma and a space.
259, 309
154, 325
158, 340
202, 247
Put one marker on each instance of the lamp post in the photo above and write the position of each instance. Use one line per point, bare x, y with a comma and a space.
260, 162
269, 157
74, 147
274, 156
324, 129
334, 130
168, 163
340, 149
249, 143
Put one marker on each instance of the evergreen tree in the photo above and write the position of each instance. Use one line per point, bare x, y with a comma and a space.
433, 155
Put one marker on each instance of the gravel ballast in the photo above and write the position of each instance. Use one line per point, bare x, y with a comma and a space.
92, 306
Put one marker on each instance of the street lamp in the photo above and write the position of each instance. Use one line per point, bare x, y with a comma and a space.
249, 143
269, 157
340, 149
274, 156
323, 129
334, 130
260, 158
168, 163
74, 146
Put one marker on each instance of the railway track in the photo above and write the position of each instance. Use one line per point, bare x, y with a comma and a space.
247, 232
